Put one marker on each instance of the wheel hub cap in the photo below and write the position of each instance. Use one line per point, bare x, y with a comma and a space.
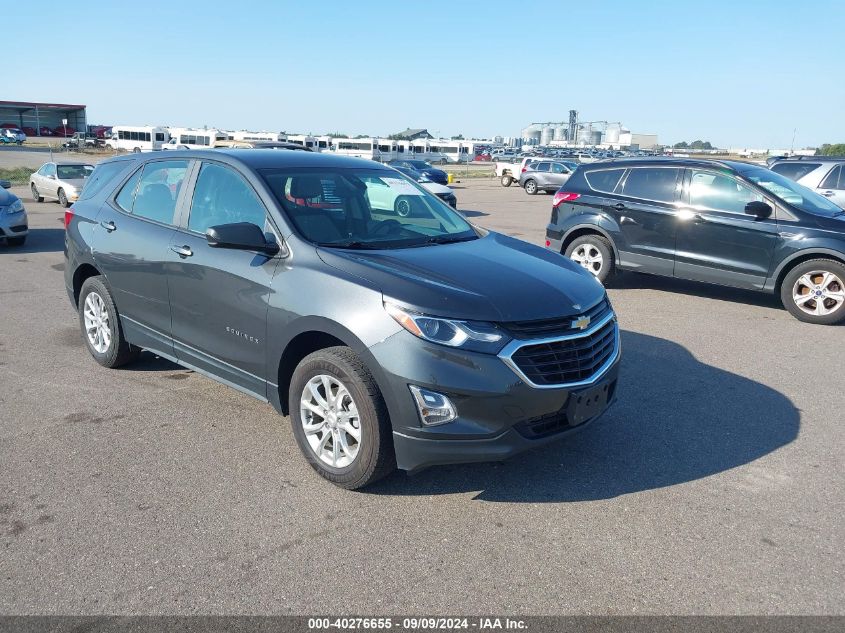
97, 326
819, 293
589, 257
330, 420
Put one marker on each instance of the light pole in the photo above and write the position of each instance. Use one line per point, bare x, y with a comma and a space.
64, 127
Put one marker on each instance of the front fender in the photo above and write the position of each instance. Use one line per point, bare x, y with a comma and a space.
831, 248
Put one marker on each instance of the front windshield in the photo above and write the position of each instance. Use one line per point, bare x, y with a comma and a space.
364, 208
73, 172
791, 192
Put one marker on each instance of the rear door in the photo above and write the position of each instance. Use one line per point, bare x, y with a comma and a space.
219, 296
558, 175
643, 206
717, 241
833, 186
131, 249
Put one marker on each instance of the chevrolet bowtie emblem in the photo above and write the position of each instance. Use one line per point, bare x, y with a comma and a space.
581, 323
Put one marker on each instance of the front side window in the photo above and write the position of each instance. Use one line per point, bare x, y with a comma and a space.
719, 192
557, 168
364, 208
834, 179
222, 196
652, 183
152, 192
544, 167
791, 192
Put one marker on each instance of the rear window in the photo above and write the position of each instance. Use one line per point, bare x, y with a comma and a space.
604, 180
795, 171
652, 183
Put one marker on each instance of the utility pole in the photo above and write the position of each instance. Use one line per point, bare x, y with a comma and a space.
792, 148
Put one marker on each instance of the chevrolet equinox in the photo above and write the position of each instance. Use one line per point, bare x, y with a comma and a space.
391, 339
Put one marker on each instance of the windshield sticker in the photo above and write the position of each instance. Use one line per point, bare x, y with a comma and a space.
402, 186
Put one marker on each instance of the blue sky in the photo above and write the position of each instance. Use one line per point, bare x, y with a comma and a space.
738, 73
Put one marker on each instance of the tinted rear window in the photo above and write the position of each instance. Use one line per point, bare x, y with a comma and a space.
604, 180
651, 183
794, 171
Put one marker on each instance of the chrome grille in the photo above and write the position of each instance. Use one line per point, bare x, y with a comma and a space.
557, 326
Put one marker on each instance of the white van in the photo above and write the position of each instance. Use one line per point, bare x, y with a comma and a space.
140, 138
188, 138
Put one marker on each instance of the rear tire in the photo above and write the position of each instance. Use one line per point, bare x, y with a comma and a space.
530, 187
137, 150
506, 181
374, 457
814, 292
594, 253
63, 198
96, 308
35, 195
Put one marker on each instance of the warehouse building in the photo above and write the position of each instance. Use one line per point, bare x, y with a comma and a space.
43, 119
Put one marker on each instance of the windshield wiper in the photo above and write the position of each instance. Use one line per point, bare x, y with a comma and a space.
351, 244
448, 239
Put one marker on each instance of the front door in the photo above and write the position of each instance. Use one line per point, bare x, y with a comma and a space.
131, 246
833, 186
219, 296
644, 209
717, 240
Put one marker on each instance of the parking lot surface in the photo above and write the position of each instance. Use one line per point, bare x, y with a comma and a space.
713, 486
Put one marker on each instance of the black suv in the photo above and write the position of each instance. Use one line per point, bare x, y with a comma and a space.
393, 334
724, 222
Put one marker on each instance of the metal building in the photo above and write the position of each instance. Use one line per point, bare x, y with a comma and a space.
43, 119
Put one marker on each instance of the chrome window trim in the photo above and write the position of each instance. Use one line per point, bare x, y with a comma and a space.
506, 355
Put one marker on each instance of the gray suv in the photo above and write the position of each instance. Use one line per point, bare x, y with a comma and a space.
545, 175
390, 340
825, 176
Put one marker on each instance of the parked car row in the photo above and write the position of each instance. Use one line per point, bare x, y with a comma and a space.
42, 131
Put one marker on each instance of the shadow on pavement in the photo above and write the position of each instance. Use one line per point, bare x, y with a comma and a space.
676, 420
38, 241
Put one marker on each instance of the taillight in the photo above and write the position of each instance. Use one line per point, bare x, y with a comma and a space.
524, 169
548, 243
68, 216
564, 196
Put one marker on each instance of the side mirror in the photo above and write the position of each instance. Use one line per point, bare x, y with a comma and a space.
243, 236
759, 209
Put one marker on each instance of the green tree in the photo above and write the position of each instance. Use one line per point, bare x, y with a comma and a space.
835, 149
459, 137
337, 134
681, 145
362, 136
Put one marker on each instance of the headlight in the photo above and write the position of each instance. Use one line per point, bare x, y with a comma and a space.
15, 207
471, 335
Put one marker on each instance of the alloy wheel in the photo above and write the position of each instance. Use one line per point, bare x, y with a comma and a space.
330, 420
818, 293
589, 257
97, 326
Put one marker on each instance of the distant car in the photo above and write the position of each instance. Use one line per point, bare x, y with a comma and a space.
725, 222
62, 182
14, 226
825, 176
29, 131
437, 175
545, 175
80, 139
64, 130
45, 131
441, 191
12, 135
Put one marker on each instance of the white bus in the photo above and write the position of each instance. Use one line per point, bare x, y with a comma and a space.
245, 135
379, 149
451, 151
190, 138
137, 138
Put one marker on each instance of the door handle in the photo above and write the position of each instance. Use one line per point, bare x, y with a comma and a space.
182, 251
108, 226
828, 194
619, 205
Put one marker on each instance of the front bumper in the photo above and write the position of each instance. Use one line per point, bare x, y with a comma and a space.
499, 415
14, 225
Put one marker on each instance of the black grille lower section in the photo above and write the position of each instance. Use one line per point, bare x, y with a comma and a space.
555, 327
552, 423
568, 361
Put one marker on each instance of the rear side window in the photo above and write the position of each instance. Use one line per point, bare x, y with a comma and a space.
604, 180
652, 183
103, 175
794, 171
152, 192
834, 179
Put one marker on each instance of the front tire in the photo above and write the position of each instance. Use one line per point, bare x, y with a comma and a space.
814, 292
506, 180
100, 325
594, 253
340, 420
530, 187
63, 198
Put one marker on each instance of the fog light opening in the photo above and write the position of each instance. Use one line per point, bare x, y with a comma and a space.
434, 408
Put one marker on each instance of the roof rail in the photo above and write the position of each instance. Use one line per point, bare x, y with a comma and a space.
814, 158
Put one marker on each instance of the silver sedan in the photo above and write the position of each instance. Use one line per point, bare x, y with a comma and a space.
59, 181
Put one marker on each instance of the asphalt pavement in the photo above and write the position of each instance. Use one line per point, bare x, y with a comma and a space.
713, 486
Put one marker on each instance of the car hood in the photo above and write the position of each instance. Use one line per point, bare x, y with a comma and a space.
6, 197
494, 278
433, 171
